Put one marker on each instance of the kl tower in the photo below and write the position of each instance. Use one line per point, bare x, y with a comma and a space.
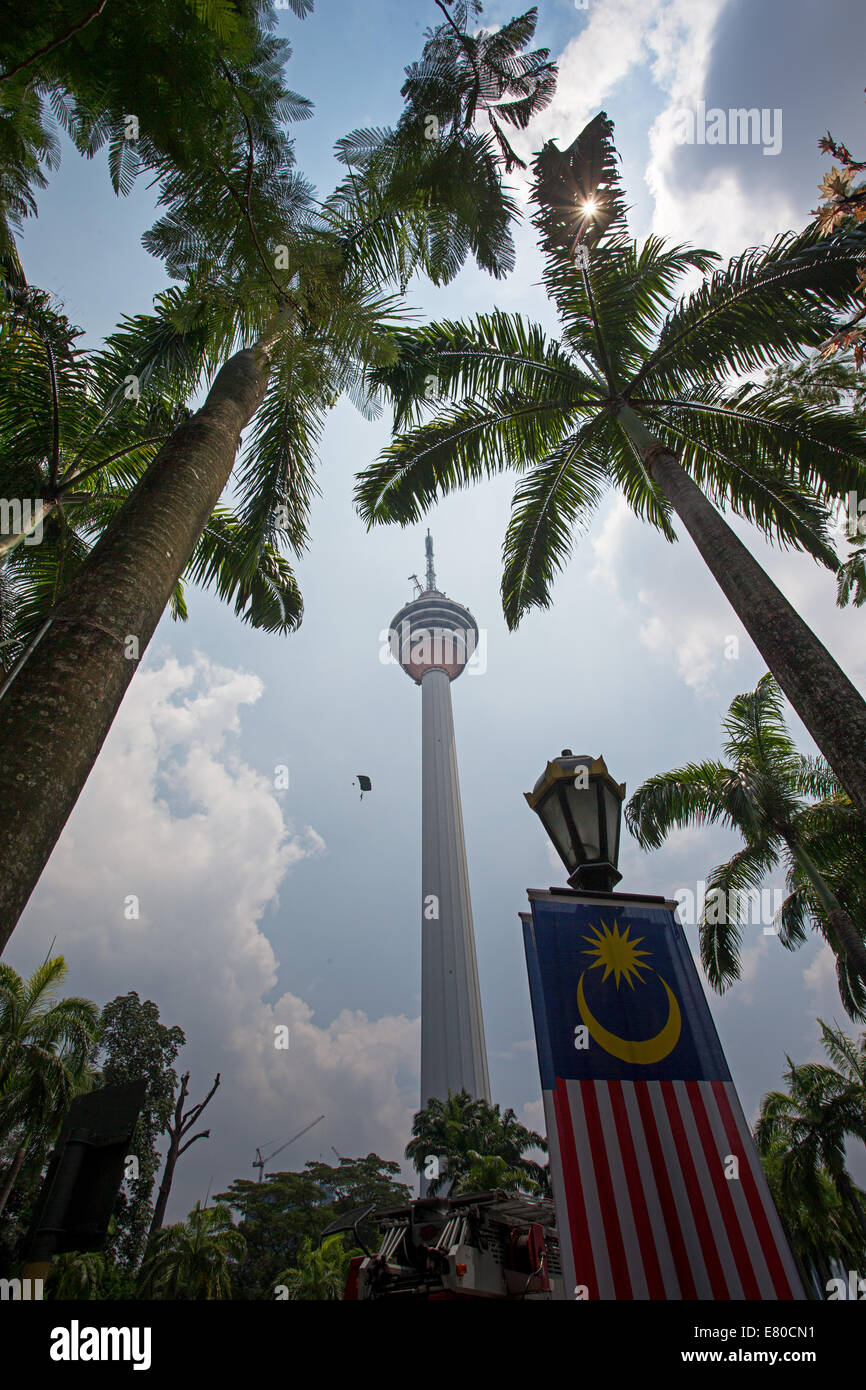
433, 638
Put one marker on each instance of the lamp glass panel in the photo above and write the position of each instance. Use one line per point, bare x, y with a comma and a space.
613, 812
583, 803
553, 819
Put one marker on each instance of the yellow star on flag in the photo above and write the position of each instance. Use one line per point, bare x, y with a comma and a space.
617, 954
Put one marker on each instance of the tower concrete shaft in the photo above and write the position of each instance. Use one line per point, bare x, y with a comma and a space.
434, 639
453, 1052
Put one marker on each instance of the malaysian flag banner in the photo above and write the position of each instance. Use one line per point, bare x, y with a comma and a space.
658, 1186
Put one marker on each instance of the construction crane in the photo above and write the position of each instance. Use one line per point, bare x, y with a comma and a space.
259, 1161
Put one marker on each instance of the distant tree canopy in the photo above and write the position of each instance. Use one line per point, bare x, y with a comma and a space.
169, 71
835, 379
135, 1044
46, 1049
456, 1141
802, 1134
90, 1276
279, 1214
843, 206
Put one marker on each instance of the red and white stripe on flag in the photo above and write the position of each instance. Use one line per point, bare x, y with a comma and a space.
640, 1168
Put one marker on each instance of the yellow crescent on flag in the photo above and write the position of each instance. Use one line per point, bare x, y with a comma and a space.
642, 1052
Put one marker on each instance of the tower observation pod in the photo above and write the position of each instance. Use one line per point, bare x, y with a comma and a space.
433, 638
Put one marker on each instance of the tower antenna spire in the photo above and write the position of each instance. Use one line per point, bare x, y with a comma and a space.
431, 573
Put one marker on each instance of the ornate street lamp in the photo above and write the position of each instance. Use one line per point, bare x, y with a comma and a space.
630, 1064
580, 806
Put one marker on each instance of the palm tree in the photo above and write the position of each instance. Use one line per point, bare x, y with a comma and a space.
87, 1274
461, 74
193, 1259
46, 1045
293, 301
466, 1132
843, 1081
831, 831
849, 1059
801, 1138
57, 446
76, 1274
836, 381
85, 84
820, 1227
320, 1272
634, 395
807, 1126
487, 1172
761, 791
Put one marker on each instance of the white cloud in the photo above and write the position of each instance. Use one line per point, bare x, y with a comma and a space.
532, 1116
610, 44
616, 38
820, 979
673, 40
695, 651
721, 212
683, 617
172, 816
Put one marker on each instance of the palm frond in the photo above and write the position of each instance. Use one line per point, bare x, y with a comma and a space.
276, 477
256, 578
492, 352
558, 495
461, 75
460, 447
414, 204
578, 192
689, 795
776, 463
766, 306
851, 579
848, 1056
723, 914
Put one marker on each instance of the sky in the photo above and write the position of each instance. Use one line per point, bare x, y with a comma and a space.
261, 905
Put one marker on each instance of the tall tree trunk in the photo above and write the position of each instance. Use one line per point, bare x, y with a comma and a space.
59, 707
165, 1186
177, 1131
12, 1176
170, 1158
846, 934
832, 709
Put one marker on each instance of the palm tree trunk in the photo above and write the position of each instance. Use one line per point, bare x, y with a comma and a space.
60, 705
849, 940
12, 1176
832, 709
